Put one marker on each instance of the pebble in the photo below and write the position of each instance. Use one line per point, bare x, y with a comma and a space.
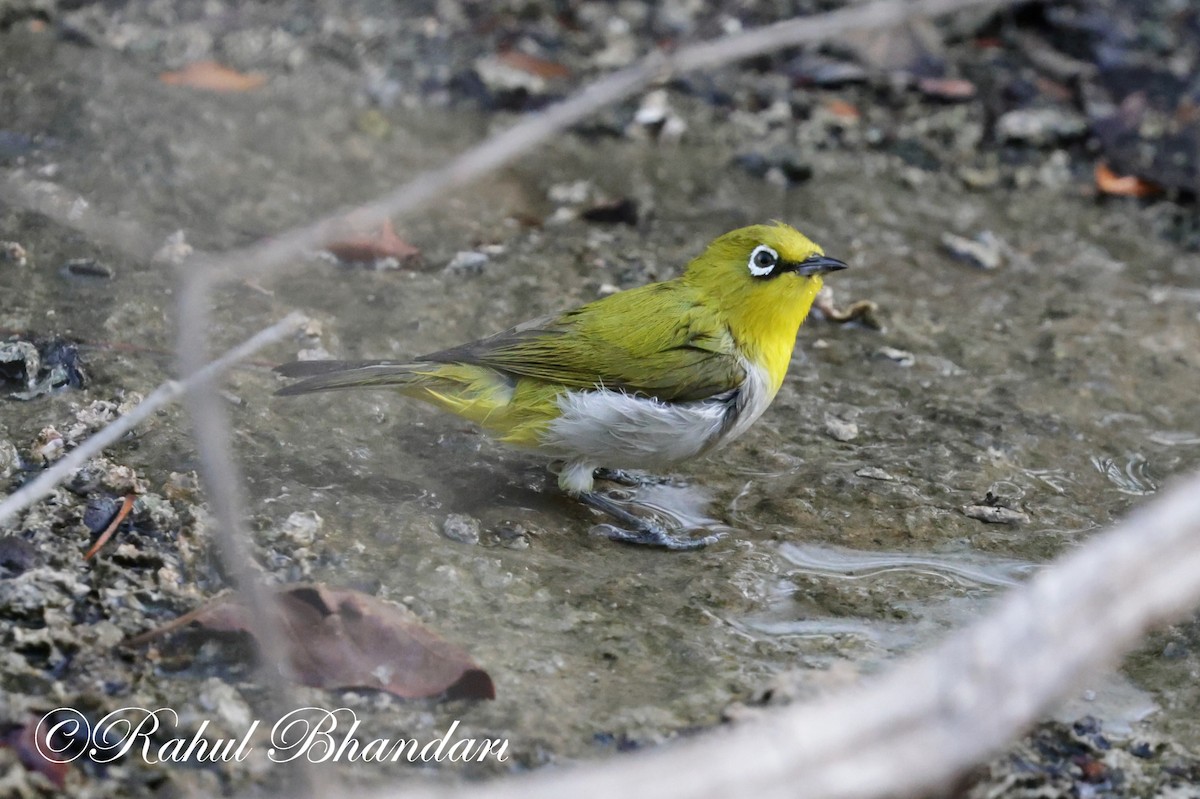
10, 459
985, 251
24, 353
302, 527
174, 251
1040, 126
87, 269
467, 262
13, 253
994, 514
99, 513
900, 357
840, 429
461, 528
512, 535
47, 447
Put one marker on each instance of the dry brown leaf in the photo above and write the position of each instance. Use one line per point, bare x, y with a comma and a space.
29, 742
541, 67
360, 247
1108, 182
213, 77
842, 109
340, 638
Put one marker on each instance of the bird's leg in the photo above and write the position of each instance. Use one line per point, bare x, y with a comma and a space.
642, 531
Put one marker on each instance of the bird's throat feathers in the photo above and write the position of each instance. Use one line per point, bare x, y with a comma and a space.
765, 324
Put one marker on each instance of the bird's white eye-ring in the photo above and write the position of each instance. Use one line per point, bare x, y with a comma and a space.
763, 260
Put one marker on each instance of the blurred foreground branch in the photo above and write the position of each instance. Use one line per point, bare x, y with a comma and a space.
168, 392
931, 718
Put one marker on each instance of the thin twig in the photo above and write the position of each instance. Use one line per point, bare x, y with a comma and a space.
168, 392
932, 717
126, 506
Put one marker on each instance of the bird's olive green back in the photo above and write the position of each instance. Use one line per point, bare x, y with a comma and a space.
659, 340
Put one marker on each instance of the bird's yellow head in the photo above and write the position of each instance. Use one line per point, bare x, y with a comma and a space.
762, 279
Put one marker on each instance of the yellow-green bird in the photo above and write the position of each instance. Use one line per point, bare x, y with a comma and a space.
641, 379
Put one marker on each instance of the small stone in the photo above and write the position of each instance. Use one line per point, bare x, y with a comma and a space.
994, 514
984, 251
122, 480
898, 356
17, 556
13, 253
87, 269
182, 487
47, 447
979, 178
575, 193
467, 262
1040, 126
840, 429
656, 118
10, 459
874, 473
512, 535
461, 528
99, 513
302, 527
26, 363
91, 418
174, 251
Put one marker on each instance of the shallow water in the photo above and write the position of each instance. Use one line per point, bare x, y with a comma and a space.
1065, 385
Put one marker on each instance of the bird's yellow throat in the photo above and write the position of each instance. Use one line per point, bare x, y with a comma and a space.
765, 325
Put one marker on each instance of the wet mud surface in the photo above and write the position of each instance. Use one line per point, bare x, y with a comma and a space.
902, 480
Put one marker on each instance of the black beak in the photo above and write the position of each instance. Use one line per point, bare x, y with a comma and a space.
819, 265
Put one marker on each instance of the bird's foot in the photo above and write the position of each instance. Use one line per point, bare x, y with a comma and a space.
625, 477
641, 531
654, 535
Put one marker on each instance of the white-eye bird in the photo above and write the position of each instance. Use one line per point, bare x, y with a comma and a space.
641, 379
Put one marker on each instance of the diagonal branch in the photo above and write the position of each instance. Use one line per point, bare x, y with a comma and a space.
167, 393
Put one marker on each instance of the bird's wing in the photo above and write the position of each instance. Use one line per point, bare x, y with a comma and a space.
656, 340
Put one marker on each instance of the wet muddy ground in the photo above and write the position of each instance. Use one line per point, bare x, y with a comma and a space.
903, 478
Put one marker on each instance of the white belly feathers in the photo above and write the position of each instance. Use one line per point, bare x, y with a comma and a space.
619, 430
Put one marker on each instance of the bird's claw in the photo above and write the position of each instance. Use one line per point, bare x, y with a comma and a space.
654, 535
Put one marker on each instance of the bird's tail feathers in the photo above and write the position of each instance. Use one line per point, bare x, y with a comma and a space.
332, 375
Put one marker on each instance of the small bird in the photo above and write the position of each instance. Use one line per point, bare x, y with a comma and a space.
641, 379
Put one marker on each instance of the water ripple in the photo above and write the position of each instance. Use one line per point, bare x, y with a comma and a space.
851, 564
1131, 478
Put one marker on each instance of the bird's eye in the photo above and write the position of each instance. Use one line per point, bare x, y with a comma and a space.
763, 260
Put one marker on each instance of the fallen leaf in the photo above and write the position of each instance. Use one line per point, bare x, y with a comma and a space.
339, 638
541, 67
842, 109
29, 742
365, 247
952, 89
213, 77
1108, 182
